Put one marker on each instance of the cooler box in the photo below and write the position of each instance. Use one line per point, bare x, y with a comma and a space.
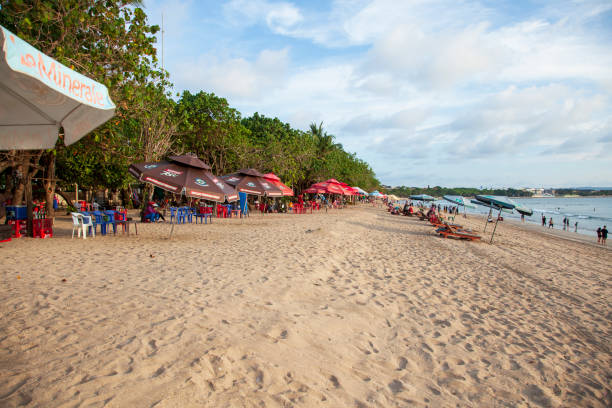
18, 212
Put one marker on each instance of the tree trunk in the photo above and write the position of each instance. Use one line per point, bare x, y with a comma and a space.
20, 187
29, 204
69, 202
49, 183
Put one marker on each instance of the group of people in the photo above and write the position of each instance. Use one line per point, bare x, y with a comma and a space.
566, 223
602, 235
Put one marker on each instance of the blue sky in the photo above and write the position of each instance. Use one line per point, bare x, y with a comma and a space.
429, 92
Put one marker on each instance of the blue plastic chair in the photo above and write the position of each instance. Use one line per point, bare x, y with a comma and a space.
99, 220
180, 215
173, 214
110, 219
190, 212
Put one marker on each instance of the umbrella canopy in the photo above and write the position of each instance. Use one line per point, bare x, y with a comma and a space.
422, 197
521, 209
459, 200
360, 190
276, 181
329, 188
315, 190
251, 181
498, 201
393, 197
348, 189
375, 193
491, 206
177, 177
38, 95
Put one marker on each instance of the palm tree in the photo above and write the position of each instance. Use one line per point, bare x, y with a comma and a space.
324, 141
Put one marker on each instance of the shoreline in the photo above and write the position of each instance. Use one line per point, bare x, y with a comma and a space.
546, 232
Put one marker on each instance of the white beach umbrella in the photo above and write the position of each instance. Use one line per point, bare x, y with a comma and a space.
38, 95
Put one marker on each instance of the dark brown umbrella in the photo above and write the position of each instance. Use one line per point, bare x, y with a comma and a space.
251, 181
186, 175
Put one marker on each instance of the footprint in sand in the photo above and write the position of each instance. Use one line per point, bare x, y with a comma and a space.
334, 381
402, 364
396, 386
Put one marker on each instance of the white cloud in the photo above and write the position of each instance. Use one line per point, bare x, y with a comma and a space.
235, 77
405, 82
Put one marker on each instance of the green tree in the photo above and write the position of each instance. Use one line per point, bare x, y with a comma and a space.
210, 128
109, 41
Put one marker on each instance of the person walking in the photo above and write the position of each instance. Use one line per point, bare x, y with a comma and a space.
543, 220
599, 235
576, 227
604, 235
550, 223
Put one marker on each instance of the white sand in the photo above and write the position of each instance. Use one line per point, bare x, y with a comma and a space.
352, 308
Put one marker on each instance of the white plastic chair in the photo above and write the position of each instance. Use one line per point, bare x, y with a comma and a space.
82, 222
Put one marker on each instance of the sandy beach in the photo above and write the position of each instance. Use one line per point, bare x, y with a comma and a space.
350, 308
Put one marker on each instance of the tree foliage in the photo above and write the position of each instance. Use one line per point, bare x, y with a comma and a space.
438, 191
111, 41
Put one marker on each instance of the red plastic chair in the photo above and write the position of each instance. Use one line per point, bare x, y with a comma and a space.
204, 213
221, 211
121, 219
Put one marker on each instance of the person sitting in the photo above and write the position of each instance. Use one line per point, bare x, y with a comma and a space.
151, 213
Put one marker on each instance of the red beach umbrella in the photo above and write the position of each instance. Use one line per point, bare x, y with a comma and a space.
251, 181
329, 188
274, 179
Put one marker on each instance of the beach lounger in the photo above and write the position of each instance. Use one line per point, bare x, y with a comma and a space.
447, 230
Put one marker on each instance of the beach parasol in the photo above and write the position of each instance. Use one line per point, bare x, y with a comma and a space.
329, 188
360, 190
460, 200
521, 209
186, 175
38, 96
422, 197
252, 182
375, 193
274, 179
315, 190
501, 202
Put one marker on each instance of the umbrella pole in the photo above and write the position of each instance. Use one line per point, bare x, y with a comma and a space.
494, 228
171, 228
487, 220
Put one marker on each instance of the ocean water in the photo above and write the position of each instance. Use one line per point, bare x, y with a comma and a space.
590, 213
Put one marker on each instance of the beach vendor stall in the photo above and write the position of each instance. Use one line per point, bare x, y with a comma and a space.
185, 175
38, 96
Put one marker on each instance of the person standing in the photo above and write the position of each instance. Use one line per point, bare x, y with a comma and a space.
550, 223
543, 220
604, 235
599, 235
576, 227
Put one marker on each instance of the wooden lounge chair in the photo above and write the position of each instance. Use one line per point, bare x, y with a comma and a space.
447, 230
